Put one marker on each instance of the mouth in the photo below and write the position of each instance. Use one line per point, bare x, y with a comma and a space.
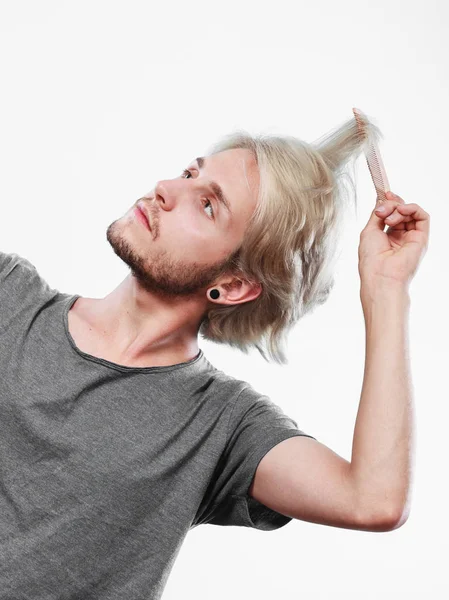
142, 215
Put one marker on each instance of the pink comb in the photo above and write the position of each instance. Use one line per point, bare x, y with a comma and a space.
374, 160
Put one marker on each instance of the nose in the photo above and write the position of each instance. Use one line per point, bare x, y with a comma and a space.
168, 193
163, 196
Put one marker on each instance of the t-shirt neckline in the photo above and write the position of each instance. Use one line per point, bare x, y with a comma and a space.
68, 304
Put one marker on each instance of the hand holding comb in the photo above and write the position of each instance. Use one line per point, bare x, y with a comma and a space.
394, 255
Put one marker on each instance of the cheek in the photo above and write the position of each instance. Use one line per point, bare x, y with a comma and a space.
189, 243
190, 226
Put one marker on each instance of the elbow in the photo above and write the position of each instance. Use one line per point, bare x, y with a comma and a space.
398, 518
379, 515
382, 516
388, 520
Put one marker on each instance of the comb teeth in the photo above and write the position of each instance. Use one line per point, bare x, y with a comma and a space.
374, 160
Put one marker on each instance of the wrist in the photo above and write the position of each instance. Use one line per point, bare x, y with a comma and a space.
384, 290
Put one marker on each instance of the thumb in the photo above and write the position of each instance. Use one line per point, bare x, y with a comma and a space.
381, 211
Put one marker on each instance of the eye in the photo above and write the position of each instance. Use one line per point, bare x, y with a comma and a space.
208, 202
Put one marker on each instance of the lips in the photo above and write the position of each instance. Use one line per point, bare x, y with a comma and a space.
143, 212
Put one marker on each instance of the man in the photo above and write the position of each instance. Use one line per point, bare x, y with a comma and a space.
117, 434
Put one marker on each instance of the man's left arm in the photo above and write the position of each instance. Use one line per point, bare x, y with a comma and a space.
306, 480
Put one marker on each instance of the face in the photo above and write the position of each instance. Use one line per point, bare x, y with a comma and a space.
192, 232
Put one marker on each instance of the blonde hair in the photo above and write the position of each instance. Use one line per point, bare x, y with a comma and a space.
291, 241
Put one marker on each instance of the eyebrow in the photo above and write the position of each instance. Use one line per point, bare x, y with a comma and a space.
216, 188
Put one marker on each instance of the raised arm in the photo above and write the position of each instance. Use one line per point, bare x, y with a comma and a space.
304, 479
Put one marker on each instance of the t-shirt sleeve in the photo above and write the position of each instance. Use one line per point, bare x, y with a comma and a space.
255, 426
20, 286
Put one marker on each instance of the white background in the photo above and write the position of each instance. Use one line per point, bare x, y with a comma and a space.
100, 100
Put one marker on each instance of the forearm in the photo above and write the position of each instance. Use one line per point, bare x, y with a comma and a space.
383, 445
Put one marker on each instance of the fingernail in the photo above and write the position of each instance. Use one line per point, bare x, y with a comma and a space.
380, 209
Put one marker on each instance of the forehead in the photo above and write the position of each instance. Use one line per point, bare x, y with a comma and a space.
237, 172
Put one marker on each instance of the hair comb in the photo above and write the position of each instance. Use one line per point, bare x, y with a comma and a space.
374, 160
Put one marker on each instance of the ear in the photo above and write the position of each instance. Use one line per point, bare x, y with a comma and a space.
236, 291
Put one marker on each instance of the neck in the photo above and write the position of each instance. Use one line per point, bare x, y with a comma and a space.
143, 327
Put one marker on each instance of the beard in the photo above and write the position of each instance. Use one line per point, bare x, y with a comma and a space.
165, 276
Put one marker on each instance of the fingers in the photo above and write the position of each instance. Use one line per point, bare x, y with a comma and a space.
393, 196
399, 216
391, 215
395, 213
413, 212
386, 209
402, 216
389, 207
400, 223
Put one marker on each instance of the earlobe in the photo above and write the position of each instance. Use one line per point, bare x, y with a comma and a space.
214, 294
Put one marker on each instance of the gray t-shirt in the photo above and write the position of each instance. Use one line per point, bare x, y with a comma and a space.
105, 468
